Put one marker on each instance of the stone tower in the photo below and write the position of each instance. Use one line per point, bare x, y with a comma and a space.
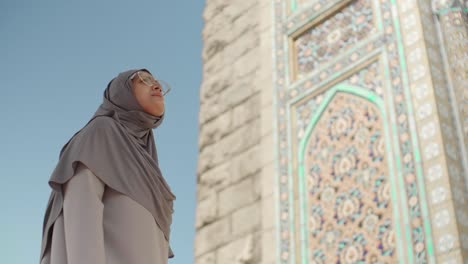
333, 131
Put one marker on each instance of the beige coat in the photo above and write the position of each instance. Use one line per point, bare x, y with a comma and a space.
102, 226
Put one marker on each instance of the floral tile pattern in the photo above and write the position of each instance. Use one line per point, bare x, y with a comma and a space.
347, 186
333, 36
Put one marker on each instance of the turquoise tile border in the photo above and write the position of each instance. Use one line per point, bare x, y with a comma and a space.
414, 137
402, 194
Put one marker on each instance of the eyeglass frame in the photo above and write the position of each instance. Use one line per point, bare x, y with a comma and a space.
150, 84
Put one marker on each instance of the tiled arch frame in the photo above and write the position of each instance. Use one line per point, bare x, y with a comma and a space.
387, 44
375, 100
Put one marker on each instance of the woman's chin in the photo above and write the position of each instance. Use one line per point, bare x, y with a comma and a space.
157, 113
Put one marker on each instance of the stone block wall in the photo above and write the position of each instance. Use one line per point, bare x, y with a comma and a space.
235, 207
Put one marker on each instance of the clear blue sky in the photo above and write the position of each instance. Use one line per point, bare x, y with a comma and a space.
56, 58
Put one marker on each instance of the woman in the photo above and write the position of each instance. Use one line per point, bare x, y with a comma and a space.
109, 201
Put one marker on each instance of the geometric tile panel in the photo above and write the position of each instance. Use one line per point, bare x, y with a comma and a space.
336, 34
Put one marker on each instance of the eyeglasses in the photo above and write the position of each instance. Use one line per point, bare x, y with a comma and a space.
151, 81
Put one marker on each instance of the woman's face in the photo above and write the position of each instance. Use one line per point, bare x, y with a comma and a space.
150, 97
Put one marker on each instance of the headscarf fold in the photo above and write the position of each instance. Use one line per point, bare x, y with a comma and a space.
118, 146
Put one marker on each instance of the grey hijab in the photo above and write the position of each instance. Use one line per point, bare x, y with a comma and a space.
118, 146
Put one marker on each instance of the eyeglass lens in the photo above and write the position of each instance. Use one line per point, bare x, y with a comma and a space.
150, 81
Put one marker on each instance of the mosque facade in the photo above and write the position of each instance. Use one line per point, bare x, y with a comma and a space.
333, 131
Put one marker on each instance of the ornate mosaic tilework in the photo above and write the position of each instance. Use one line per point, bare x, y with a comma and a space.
369, 78
295, 4
454, 25
436, 118
415, 241
347, 185
298, 4
334, 35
